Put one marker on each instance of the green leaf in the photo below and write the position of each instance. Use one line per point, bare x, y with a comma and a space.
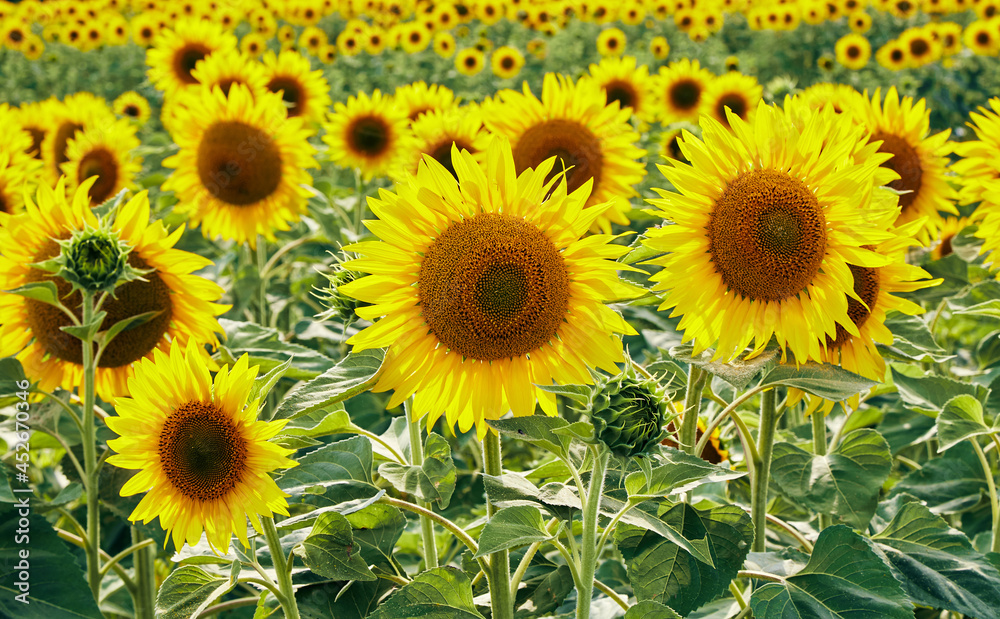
824, 380
11, 373
355, 374
650, 610
187, 589
126, 324
739, 372
987, 351
547, 593
966, 245
376, 530
332, 474
87, 332
937, 565
660, 571
57, 584
266, 349
536, 429
951, 483
844, 579
439, 593
580, 394
44, 291
511, 527
354, 600
679, 473
989, 309
434, 480
912, 340
930, 392
320, 423
263, 384
845, 482
330, 550
639, 252
961, 418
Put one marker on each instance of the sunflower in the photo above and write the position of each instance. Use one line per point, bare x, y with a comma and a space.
669, 145
920, 159
950, 36
853, 51
659, 47
920, 46
981, 37
892, 56
444, 44
734, 91
145, 27
32, 329
506, 62
133, 106
369, 134
949, 230
980, 159
304, 91
418, 98
253, 44
611, 42
175, 53
104, 152
202, 454
627, 82
680, 88
19, 171
469, 61
414, 38
313, 40
227, 67
860, 22
241, 164
75, 113
592, 140
765, 220
492, 293
436, 131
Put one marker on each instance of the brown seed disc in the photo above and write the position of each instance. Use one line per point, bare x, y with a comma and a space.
623, 92
239, 164
64, 132
906, 162
866, 286
735, 102
292, 93
685, 95
493, 287
186, 58
578, 149
368, 136
442, 153
202, 451
102, 164
767, 235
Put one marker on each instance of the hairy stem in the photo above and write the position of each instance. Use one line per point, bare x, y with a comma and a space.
762, 470
283, 570
500, 598
591, 551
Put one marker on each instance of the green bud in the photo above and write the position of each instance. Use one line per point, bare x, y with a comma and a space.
629, 413
340, 307
94, 260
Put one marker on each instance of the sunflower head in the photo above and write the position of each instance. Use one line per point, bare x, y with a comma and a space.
629, 413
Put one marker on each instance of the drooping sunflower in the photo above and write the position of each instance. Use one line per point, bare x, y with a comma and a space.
679, 88
766, 219
31, 329
133, 106
592, 140
176, 52
920, 159
853, 51
485, 289
626, 82
437, 131
304, 91
241, 164
734, 91
369, 134
418, 98
104, 152
203, 456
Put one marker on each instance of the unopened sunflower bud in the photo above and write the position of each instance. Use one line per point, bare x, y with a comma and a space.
95, 260
629, 413
340, 307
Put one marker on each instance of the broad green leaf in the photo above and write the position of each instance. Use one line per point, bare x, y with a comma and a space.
346, 507
439, 593
547, 593
961, 418
376, 530
434, 480
511, 527
988, 309
263, 384
356, 373
912, 340
824, 380
328, 600
186, 589
699, 548
662, 572
739, 372
11, 373
937, 565
320, 423
266, 350
987, 351
680, 472
536, 429
332, 474
126, 324
966, 245
845, 482
951, 483
931, 392
330, 550
58, 587
844, 579
650, 610
902, 428
44, 291
580, 394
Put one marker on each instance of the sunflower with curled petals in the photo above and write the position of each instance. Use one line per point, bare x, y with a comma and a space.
573, 122
980, 159
31, 329
241, 164
765, 220
485, 290
920, 159
203, 456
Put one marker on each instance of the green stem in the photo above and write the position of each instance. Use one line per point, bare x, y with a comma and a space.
591, 551
145, 575
283, 570
762, 470
730, 411
417, 459
819, 448
611, 593
692, 407
991, 486
500, 598
262, 288
93, 547
359, 209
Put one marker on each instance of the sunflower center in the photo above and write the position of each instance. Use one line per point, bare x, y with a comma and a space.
186, 58
919, 47
202, 451
735, 102
493, 287
368, 136
767, 235
578, 150
896, 55
442, 153
905, 162
506, 63
99, 163
132, 110
37, 136
131, 299
685, 94
239, 164
64, 133
853, 51
291, 94
622, 92
866, 286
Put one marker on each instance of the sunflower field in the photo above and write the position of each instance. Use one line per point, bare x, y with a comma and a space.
500, 309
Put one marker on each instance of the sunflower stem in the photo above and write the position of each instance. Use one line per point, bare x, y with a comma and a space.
591, 550
93, 546
819, 448
500, 597
692, 407
283, 570
762, 470
417, 459
262, 288
359, 208
991, 486
145, 571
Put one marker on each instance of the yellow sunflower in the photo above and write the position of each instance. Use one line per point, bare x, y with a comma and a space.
176, 52
611, 42
132, 105
485, 289
418, 98
369, 134
949, 230
982, 38
837, 96
36, 119
659, 47
444, 44
31, 329
506, 62
920, 159
253, 44
241, 164
627, 82
734, 91
920, 46
203, 456
77, 112
980, 159
436, 131
766, 219
853, 51
305, 92
860, 22
892, 56
104, 152
227, 67
679, 88
592, 140
469, 61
